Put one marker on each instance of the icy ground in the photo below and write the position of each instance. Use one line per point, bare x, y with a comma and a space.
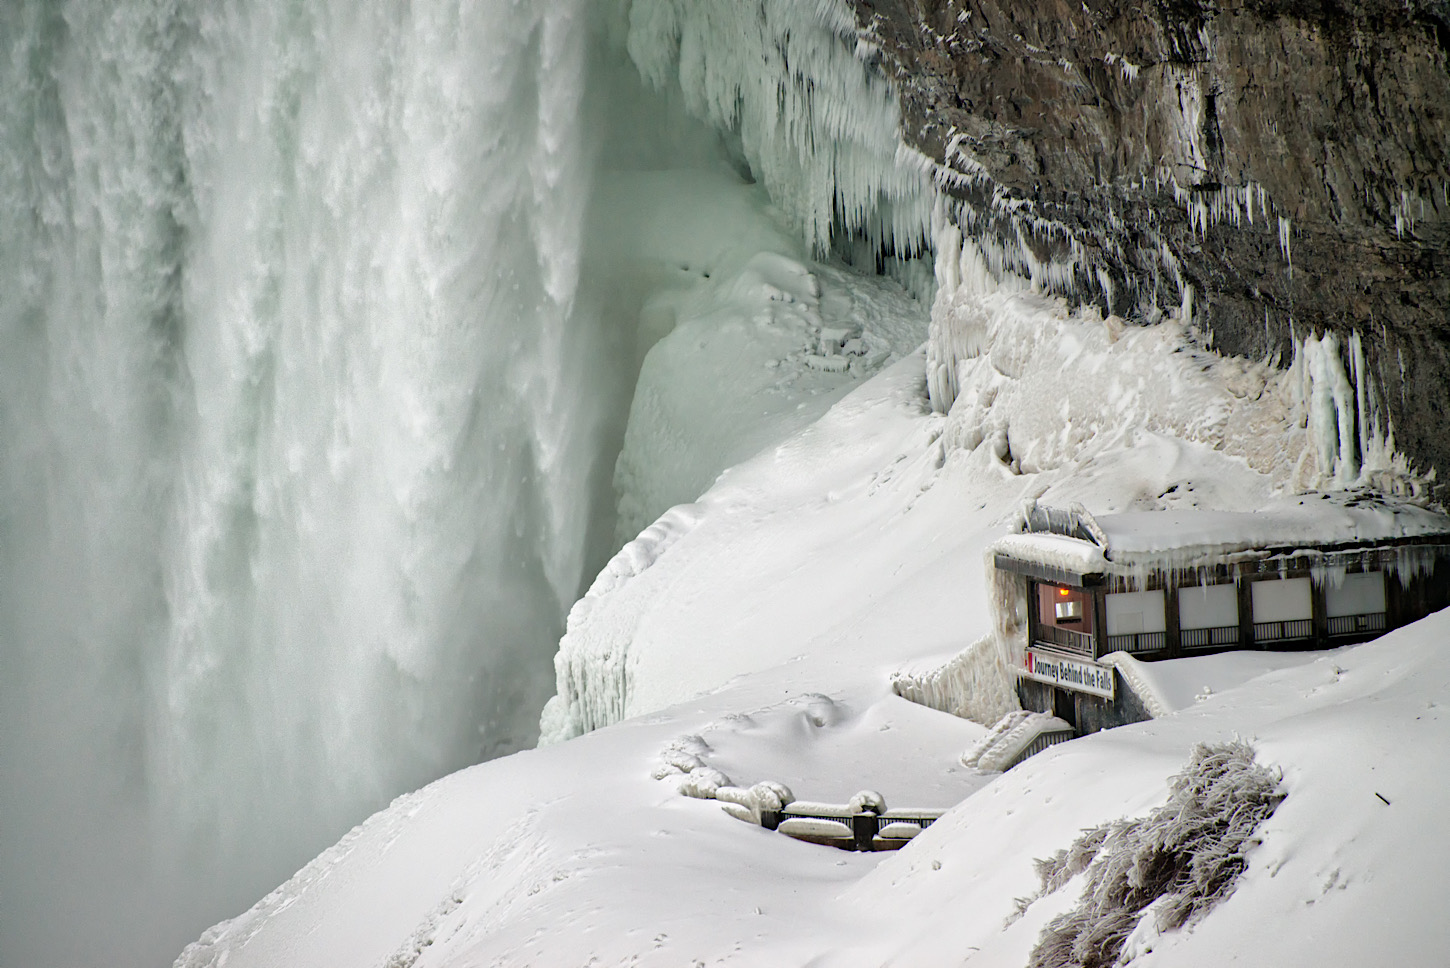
754, 633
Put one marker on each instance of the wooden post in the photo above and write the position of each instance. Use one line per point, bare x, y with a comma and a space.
1246, 611
863, 829
1170, 619
1397, 611
1319, 612
1100, 621
1032, 607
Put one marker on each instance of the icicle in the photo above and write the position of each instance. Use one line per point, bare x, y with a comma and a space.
818, 126
1285, 231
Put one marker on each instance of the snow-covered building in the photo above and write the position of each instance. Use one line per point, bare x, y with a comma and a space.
1075, 593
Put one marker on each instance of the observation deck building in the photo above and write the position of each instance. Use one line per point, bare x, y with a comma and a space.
1077, 593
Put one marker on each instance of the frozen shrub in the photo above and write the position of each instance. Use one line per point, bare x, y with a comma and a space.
867, 801
1186, 855
702, 782
772, 795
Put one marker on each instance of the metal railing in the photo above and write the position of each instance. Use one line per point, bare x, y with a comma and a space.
1350, 624
1079, 642
1042, 742
1302, 628
1208, 638
1138, 642
859, 830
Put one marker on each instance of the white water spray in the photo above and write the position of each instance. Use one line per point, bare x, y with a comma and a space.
295, 428
310, 393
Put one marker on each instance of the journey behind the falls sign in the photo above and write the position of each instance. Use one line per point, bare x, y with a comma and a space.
1075, 674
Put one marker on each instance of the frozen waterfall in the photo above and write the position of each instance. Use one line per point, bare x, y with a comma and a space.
300, 408
317, 354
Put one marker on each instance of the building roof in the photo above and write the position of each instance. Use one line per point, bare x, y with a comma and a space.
1073, 542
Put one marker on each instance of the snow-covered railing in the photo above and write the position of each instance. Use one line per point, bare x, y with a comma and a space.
862, 823
976, 683
841, 826
1017, 736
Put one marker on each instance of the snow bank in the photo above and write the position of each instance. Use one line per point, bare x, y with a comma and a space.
750, 357
574, 852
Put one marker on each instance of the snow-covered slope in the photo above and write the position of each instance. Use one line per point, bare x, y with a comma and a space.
754, 632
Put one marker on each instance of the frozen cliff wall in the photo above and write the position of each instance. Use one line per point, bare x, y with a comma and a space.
817, 119
1284, 168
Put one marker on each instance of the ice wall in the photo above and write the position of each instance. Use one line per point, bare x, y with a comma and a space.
297, 406
817, 119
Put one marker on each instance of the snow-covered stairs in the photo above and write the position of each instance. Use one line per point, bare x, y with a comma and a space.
1015, 737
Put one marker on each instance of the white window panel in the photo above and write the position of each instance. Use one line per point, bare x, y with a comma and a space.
1357, 594
1208, 607
1132, 612
1282, 600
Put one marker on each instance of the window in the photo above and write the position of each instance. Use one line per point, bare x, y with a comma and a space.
1282, 600
1132, 612
1069, 608
1208, 607
1362, 593
1065, 618
1136, 621
1283, 609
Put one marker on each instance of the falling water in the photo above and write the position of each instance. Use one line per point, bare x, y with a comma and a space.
314, 361
298, 408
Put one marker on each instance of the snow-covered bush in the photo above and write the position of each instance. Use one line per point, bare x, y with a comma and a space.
867, 801
1183, 858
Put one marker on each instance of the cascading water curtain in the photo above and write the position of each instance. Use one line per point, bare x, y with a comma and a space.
295, 418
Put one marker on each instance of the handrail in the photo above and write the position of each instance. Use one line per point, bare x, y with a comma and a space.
865, 826
1053, 635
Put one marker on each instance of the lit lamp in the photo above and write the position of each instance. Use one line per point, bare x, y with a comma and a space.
1068, 609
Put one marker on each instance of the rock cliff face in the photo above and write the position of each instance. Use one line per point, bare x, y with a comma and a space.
1284, 164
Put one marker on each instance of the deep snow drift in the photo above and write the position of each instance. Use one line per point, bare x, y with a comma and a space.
752, 635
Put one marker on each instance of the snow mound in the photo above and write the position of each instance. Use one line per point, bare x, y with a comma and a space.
589, 695
1181, 859
746, 357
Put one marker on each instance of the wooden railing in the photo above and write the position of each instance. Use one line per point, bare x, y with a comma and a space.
1066, 639
1351, 624
1276, 631
1208, 638
1138, 642
859, 830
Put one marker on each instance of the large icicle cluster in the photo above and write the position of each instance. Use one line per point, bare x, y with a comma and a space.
1043, 393
1350, 443
818, 124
